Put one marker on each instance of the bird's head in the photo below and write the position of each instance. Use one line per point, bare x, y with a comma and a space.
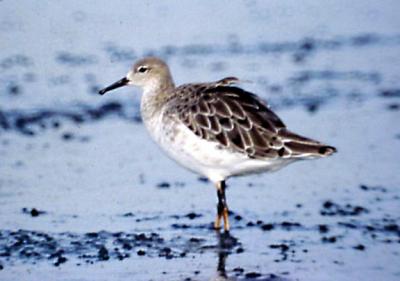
149, 73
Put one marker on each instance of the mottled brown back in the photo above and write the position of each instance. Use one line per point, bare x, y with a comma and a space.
240, 121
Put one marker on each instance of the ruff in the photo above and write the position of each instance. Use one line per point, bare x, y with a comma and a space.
215, 129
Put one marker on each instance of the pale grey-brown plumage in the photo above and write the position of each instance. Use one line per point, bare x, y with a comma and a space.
215, 129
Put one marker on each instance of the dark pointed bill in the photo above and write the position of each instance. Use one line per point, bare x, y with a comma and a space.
120, 83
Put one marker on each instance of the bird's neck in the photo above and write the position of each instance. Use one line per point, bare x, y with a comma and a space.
155, 95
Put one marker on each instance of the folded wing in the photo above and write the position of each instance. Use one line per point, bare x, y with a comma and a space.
240, 121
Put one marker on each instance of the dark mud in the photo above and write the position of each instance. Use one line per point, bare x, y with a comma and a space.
33, 212
33, 122
57, 248
31, 247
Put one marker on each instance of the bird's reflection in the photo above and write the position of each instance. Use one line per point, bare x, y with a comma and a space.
221, 264
226, 243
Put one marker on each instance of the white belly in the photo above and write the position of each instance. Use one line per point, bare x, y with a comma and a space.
205, 157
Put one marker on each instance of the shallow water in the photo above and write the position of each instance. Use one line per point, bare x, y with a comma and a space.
85, 195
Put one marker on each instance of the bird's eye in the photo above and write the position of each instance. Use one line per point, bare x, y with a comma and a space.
142, 69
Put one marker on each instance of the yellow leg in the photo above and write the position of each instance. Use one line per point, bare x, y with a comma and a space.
226, 219
217, 222
222, 207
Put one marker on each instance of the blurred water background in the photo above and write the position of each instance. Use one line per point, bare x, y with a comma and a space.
85, 195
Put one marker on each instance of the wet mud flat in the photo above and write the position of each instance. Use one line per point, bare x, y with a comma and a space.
149, 230
75, 205
343, 229
79, 201
85, 195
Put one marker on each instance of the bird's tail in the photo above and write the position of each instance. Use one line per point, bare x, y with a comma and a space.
304, 148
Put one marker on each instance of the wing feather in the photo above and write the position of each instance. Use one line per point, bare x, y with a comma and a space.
239, 120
